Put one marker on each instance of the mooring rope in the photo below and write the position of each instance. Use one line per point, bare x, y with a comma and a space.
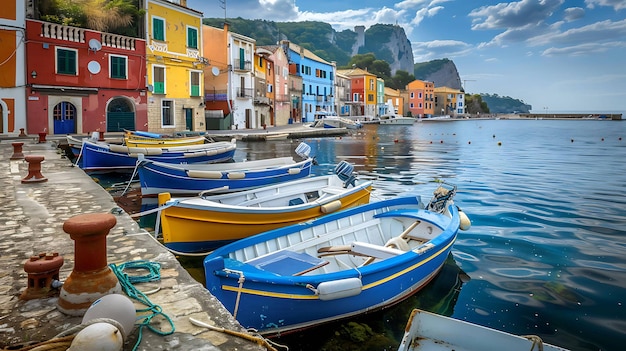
127, 281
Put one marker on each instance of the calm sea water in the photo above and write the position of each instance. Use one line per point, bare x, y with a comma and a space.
546, 253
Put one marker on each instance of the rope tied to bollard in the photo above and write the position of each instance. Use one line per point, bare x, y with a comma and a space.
127, 282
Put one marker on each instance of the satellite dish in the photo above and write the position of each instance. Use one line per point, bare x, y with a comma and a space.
150, 87
215, 71
93, 67
95, 45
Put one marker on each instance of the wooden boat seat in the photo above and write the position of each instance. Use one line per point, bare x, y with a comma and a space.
359, 248
287, 262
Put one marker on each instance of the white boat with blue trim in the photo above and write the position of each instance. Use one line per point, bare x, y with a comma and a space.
340, 265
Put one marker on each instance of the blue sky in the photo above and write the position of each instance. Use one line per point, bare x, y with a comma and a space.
555, 55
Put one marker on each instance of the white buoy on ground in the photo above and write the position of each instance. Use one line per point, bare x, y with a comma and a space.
98, 337
114, 306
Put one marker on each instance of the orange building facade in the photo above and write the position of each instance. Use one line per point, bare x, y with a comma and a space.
421, 98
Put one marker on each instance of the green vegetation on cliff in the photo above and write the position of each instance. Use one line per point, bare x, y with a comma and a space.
505, 104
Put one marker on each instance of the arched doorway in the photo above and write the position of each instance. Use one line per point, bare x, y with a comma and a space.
120, 115
64, 114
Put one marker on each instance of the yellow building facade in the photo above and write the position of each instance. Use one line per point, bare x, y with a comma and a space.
174, 67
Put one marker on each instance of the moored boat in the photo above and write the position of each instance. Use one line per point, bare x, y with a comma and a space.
203, 223
394, 118
433, 332
97, 156
340, 265
191, 179
145, 139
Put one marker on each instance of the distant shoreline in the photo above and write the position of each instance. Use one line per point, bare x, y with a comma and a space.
535, 116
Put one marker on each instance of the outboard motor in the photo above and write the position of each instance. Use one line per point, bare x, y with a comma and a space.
345, 172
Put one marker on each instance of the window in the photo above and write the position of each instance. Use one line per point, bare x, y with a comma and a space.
411, 105
370, 97
158, 29
194, 83
355, 97
66, 61
158, 79
192, 37
412, 96
118, 66
167, 113
269, 88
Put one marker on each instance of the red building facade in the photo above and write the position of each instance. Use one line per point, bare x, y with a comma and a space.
80, 81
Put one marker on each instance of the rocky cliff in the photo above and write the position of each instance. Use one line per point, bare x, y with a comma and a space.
442, 72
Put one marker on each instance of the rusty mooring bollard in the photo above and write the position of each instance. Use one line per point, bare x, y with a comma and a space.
34, 169
101, 136
42, 137
91, 278
43, 271
17, 151
22, 134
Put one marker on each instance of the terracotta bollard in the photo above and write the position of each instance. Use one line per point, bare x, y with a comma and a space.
43, 271
17, 151
34, 169
91, 278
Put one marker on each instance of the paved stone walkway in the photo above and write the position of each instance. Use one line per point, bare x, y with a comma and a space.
31, 222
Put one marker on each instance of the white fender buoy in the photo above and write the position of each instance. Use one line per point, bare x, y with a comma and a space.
114, 306
98, 337
465, 221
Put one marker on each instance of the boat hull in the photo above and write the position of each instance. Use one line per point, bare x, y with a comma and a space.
429, 331
274, 303
103, 157
190, 229
157, 178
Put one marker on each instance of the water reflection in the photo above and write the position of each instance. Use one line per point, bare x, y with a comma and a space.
547, 243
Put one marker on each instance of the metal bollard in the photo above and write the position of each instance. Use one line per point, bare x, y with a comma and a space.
42, 137
91, 278
34, 169
17, 151
43, 271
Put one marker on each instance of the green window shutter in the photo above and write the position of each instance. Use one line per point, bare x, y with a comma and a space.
158, 32
242, 58
118, 67
192, 38
159, 88
66, 62
195, 90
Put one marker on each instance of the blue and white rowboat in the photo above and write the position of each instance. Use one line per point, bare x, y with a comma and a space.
96, 156
191, 179
339, 265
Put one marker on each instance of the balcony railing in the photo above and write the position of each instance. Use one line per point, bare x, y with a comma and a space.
242, 65
58, 31
282, 97
216, 95
244, 92
118, 41
262, 100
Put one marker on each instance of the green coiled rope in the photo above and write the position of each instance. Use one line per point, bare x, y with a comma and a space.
126, 281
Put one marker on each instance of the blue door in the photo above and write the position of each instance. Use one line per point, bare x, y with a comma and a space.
64, 118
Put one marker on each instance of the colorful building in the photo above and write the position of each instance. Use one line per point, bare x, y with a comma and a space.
394, 98
318, 77
281, 92
381, 102
343, 101
449, 101
363, 85
230, 87
421, 98
12, 68
175, 67
263, 88
80, 80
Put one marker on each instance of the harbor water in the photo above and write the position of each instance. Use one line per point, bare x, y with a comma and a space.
546, 253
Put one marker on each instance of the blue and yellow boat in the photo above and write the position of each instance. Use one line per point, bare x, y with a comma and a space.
200, 224
340, 265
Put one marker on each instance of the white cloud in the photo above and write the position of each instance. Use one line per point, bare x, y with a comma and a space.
574, 13
425, 51
615, 4
514, 14
583, 49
